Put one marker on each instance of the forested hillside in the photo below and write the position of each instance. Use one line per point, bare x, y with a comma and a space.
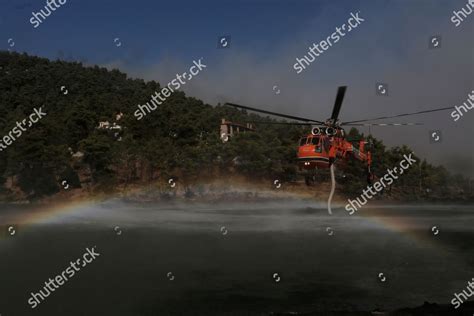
180, 139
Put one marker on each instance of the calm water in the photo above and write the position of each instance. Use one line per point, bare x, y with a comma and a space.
223, 260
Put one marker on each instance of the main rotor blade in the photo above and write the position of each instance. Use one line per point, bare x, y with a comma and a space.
273, 113
282, 123
400, 115
341, 91
383, 124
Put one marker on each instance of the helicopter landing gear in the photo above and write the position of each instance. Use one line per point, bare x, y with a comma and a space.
310, 180
370, 176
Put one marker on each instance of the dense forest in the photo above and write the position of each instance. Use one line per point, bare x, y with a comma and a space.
180, 139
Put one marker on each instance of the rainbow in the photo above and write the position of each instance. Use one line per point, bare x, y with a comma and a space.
400, 225
404, 226
45, 213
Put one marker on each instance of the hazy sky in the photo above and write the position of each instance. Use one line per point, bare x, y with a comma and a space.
159, 39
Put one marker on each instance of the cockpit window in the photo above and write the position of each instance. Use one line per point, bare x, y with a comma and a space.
316, 142
303, 141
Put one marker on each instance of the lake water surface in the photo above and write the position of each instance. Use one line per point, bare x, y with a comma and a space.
239, 259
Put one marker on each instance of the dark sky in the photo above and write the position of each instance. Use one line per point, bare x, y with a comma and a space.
161, 38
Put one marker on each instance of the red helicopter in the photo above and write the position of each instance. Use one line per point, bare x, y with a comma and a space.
327, 142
